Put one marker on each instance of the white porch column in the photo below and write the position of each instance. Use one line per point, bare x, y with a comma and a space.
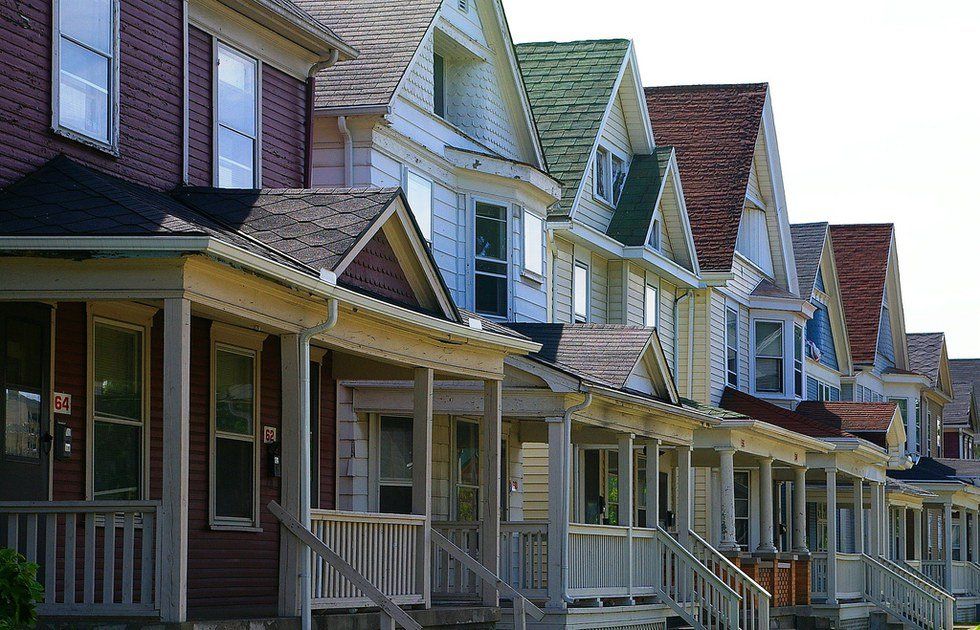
799, 511
729, 542
176, 459
831, 536
422, 475
652, 450
903, 520
883, 533
626, 479
858, 515
490, 474
766, 541
917, 532
948, 542
559, 453
975, 538
684, 495
963, 539
292, 562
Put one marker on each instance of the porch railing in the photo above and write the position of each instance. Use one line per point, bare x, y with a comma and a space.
913, 601
383, 548
96, 557
818, 573
753, 611
524, 557
451, 578
850, 576
920, 582
935, 570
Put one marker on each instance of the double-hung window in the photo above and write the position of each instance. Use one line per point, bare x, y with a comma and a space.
580, 292
654, 240
467, 470
650, 306
419, 193
533, 243
798, 360
395, 478
768, 356
491, 259
236, 126
731, 345
119, 409
87, 70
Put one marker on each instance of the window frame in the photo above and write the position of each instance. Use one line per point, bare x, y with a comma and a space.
111, 146
647, 288
603, 160
756, 356
443, 115
375, 480
738, 472
730, 347
216, 45
525, 231
654, 240
576, 266
240, 341
799, 361
409, 174
507, 261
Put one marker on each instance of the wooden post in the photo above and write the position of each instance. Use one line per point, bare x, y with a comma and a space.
917, 530
422, 476
882, 546
626, 499
975, 538
490, 487
831, 536
653, 483
726, 469
903, 520
289, 440
176, 459
559, 445
685, 493
962, 534
948, 543
858, 516
799, 511
766, 541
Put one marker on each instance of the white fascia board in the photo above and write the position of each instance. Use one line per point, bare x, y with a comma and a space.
644, 111
510, 170
779, 192
791, 305
353, 110
689, 414
792, 438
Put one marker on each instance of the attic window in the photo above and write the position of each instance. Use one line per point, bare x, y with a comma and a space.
654, 240
463, 6
438, 85
610, 175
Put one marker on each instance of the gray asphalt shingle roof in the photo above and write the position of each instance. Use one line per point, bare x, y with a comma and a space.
925, 354
957, 413
966, 370
808, 242
638, 201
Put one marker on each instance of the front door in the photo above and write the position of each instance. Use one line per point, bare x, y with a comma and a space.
24, 401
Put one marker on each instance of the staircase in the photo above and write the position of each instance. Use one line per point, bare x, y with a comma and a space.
905, 596
753, 608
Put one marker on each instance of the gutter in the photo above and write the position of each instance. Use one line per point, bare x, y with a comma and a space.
566, 424
348, 151
334, 55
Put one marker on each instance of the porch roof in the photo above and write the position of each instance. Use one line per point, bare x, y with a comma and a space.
734, 400
870, 421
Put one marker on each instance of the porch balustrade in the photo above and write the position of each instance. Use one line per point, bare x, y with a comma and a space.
524, 557
935, 570
753, 612
818, 573
966, 577
450, 579
850, 576
96, 558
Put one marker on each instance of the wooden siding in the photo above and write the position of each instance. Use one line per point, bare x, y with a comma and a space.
951, 444
71, 359
667, 326
327, 470
151, 83
591, 211
375, 270
535, 481
562, 264
599, 289
284, 105
200, 93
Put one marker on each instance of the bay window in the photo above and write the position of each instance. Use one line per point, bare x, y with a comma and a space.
418, 191
768, 356
491, 259
798, 361
395, 477
236, 125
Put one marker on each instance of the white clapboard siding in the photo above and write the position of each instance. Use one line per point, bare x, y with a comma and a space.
591, 211
562, 280
599, 306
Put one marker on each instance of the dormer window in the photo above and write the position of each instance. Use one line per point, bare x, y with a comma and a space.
610, 175
439, 85
753, 239
654, 240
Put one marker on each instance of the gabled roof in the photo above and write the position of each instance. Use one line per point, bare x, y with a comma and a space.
767, 288
808, 244
570, 86
861, 253
603, 354
966, 370
957, 413
387, 36
748, 405
638, 200
894, 485
314, 34
925, 354
714, 129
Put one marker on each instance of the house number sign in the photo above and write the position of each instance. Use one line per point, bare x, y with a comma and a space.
62, 403
268, 435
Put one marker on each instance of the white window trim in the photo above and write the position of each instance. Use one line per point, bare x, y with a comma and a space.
728, 345
406, 174
647, 286
802, 361
610, 152
749, 534
112, 146
374, 461
128, 316
508, 252
217, 43
755, 356
530, 273
576, 263
246, 342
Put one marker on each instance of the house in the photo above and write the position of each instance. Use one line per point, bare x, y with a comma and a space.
928, 356
962, 415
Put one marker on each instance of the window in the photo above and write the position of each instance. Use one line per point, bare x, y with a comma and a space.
650, 306
580, 292
533, 243
85, 53
491, 259
234, 471
395, 478
768, 356
742, 508
119, 410
798, 361
654, 240
731, 345
827, 392
612, 487
438, 85
618, 177
903, 408
610, 175
419, 195
467, 471
236, 125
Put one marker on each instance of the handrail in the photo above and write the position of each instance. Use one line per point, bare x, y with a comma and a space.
747, 619
904, 608
921, 575
913, 576
680, 549
60, 507
521, 604
317, 546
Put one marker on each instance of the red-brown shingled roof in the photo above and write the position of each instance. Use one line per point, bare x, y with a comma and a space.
714, 129
765, 411
864, 419
861, 253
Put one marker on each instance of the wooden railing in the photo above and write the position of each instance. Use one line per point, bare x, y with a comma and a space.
967, 577
383, 548
451, 579
911, 600
920, 582
753, 612
524, 557
850, 576
598, 561
96, 557
915, 568
818, 573
935, 570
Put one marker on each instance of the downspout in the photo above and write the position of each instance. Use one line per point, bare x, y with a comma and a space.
689, 296
311, 105
566, 424
348, 151
304, 452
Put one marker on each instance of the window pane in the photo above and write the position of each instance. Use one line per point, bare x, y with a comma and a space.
581, 289
22, 424
233, 468
234, 392
89, 22
769, 375
618, 177
651, 306
236, 91
396, 449
420, 202
769, 339
491, 295
84, 91
491, 231
533, 243
25, 341
116, 461
601, 173
395, 499
467, 453
438, 85
731, 340
236, 159
117, 382
467, 504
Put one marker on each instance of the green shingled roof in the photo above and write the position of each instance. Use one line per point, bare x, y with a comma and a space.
569, 85
638, 201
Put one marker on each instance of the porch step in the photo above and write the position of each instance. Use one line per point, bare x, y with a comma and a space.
436, 618
879, 620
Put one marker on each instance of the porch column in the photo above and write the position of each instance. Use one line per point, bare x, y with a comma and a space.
729, 542
831, 536
766, 542
559, 453
962, 534
903, 550
176, 459
292, 564
626, 479
917, 530
858, 515
799, 511
652, 451
948, 542
490, 469
975, 538
883, 519
422, 475
684, 492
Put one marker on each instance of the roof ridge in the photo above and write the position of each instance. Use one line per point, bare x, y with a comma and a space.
707, 86
598, 40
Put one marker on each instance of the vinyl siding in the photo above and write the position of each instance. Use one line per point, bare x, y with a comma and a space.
284, 104
562, 264
718, 352
614, 136
599, 307
820, 332
200, 94
535, 481
616, 297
